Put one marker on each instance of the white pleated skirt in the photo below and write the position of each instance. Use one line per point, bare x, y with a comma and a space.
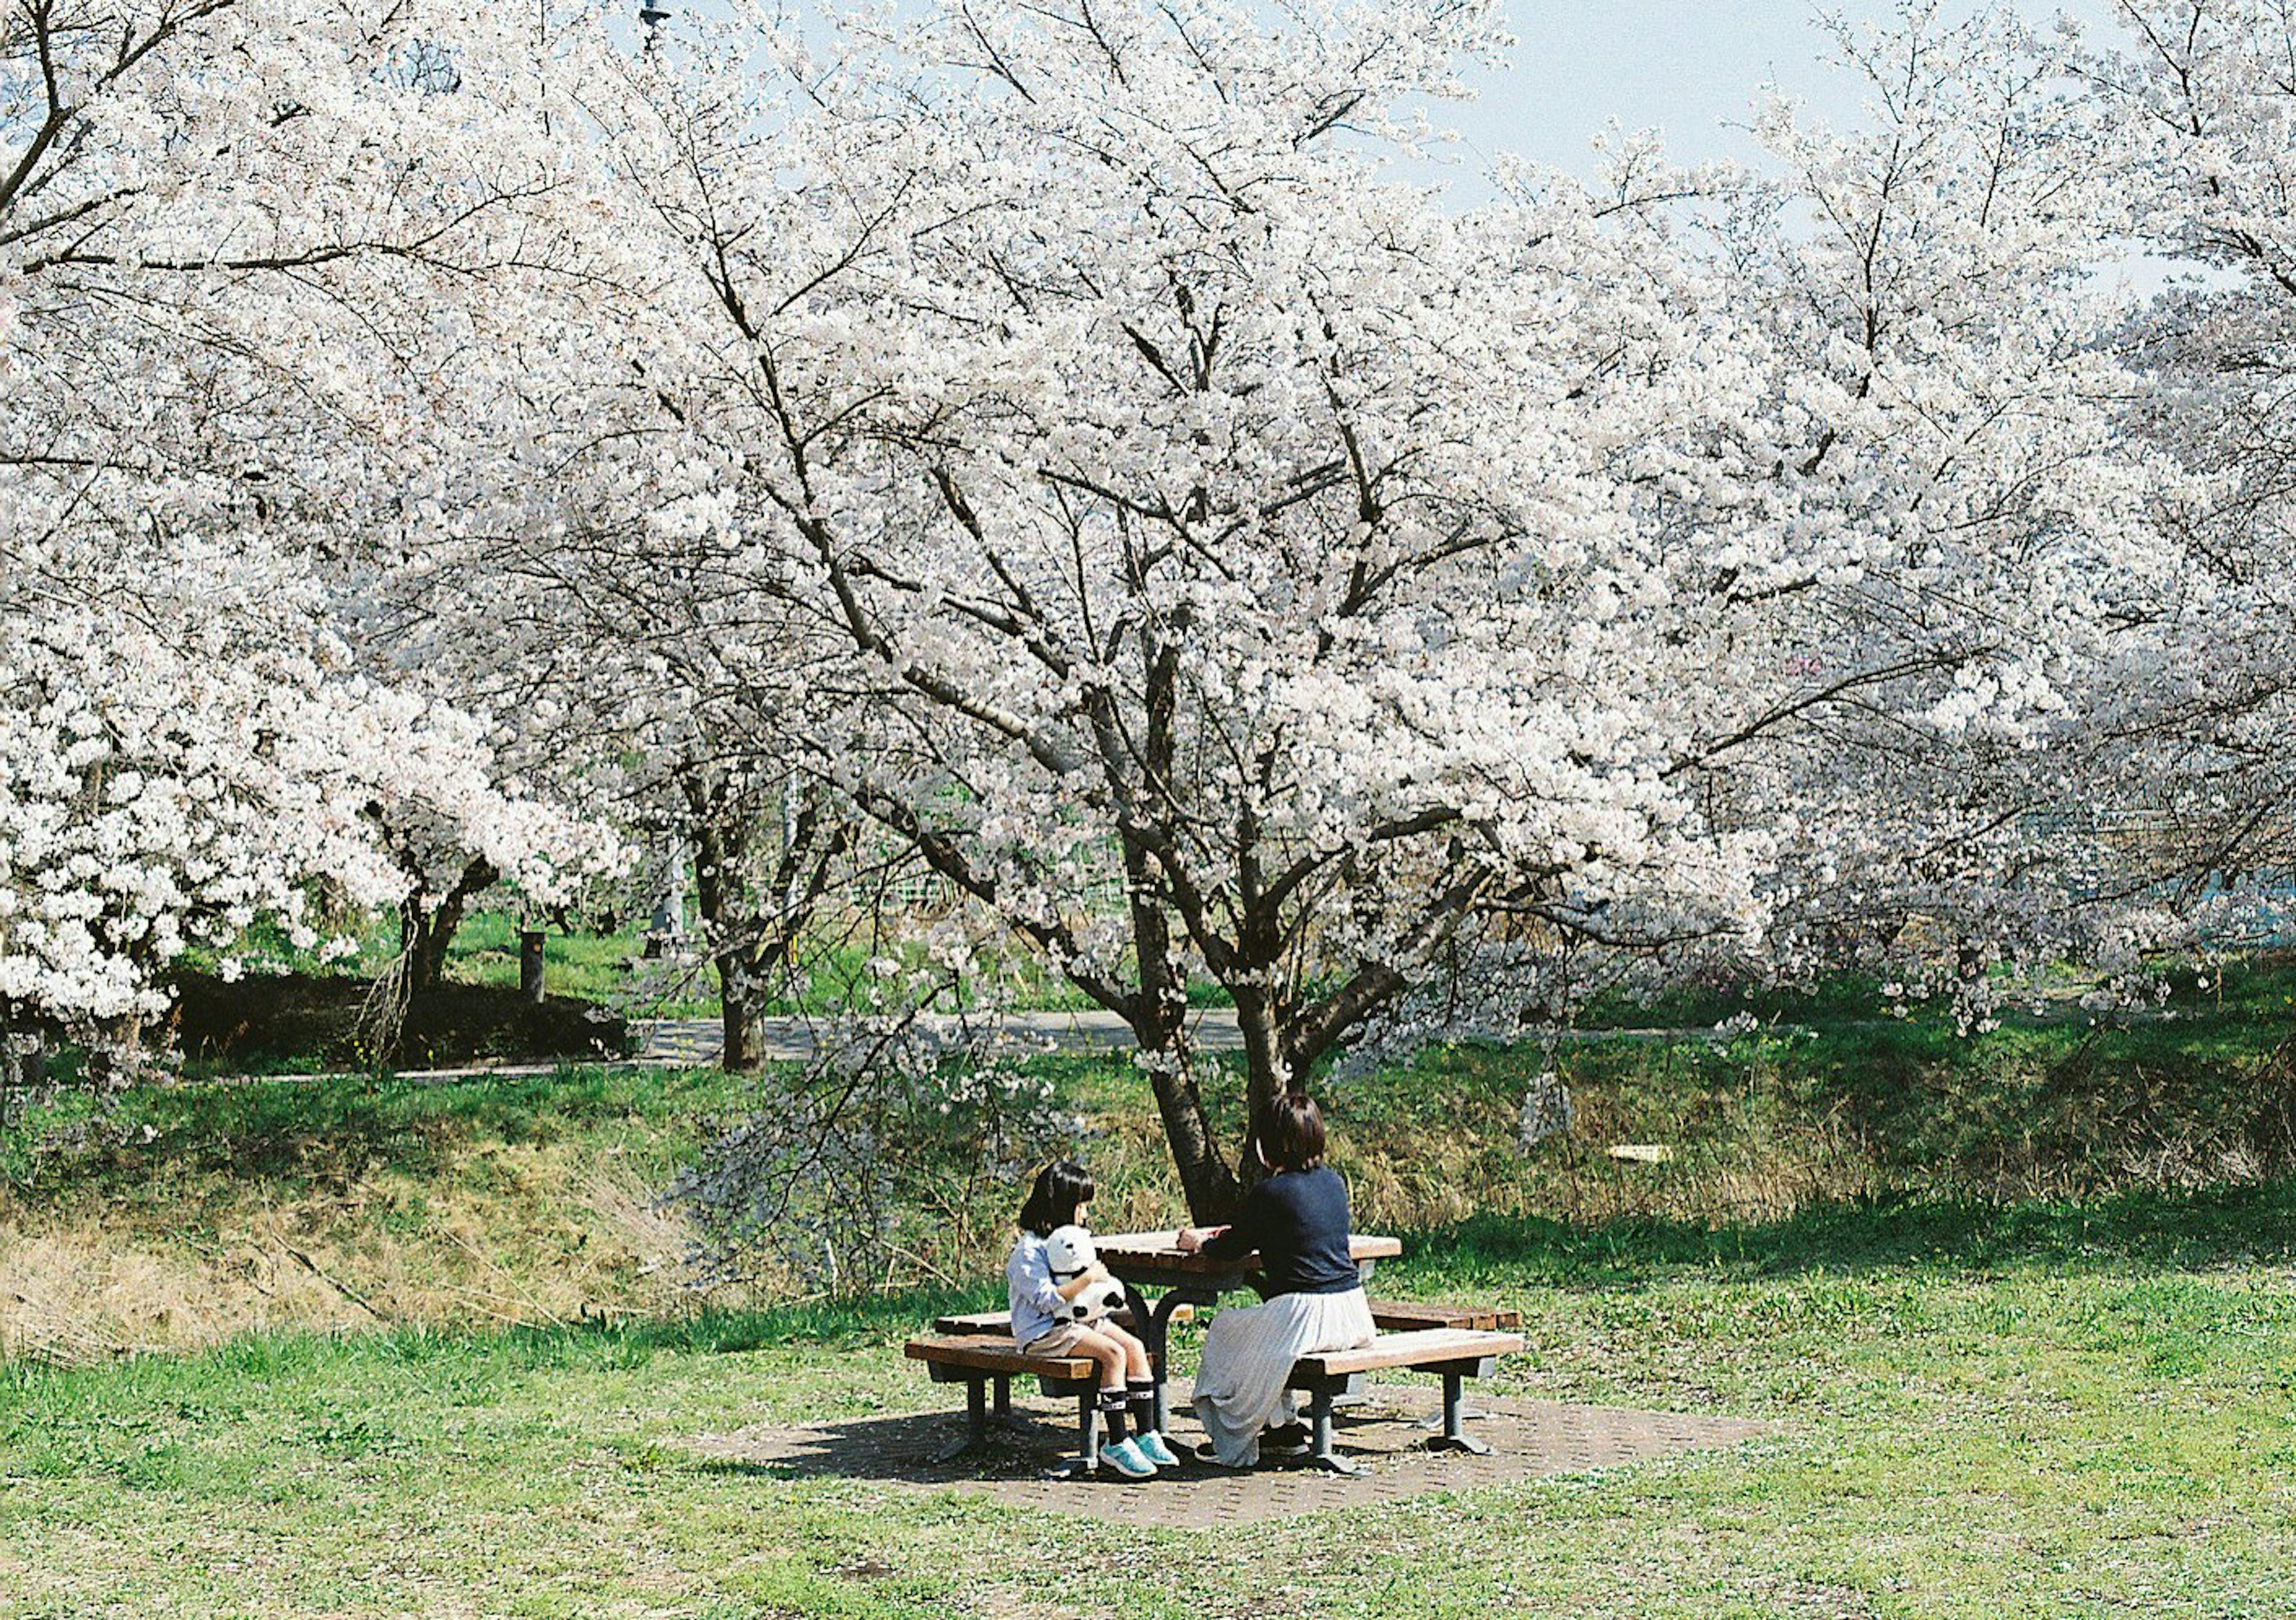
1248, 1356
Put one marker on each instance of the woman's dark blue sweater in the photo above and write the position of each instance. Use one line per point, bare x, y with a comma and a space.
1298, 1221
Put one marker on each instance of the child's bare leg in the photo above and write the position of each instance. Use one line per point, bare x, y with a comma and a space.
1135, 1353
1106, 1353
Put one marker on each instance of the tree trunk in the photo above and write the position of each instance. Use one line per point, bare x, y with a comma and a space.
425, 933
719, 848
117, 1051
1212, 1190
743, 1051
1160, 1023
666, 926
1266, 1067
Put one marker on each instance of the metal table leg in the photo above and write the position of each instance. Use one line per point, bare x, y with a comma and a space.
1155, 1327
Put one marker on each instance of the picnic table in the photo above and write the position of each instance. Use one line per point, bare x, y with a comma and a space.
1142, 1261
1454, 1342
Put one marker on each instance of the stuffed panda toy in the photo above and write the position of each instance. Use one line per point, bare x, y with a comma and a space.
1069, 1253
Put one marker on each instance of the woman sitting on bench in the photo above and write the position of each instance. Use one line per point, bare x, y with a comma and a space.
1297, 1219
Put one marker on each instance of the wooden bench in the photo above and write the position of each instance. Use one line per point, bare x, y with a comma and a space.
1001, 1321
978, 1359
1388, 1315
1456, 1353
1412, 1316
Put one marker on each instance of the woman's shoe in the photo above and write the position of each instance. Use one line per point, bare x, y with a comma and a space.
1205, 1454
1287, 1440
1127, 1459
1152, 1447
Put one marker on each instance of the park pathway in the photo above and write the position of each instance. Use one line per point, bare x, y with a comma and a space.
693, 1041
700, 1040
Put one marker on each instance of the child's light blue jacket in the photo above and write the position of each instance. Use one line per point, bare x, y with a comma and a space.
1036, 1303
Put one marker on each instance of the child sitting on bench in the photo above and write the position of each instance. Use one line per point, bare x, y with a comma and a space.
1041, 1325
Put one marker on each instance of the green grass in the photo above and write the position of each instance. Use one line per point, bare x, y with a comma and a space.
2022, 1310
598, 967
589, 966
2047, 1411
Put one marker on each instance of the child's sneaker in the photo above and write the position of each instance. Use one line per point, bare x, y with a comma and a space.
1126, 1458
1152, 1447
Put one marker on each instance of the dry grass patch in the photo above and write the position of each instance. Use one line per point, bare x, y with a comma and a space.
441, 1218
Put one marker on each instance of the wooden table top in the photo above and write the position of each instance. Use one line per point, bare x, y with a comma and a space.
1148, 1256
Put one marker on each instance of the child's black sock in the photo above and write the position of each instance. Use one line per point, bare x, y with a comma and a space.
1140, 1395
1111, 1414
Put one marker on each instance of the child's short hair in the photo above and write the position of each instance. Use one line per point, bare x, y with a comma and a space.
1061, 1188
1291, 1135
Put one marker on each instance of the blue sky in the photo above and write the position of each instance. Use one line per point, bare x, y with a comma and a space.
1690, 68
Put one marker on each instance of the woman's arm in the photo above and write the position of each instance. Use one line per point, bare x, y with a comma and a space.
1234, 1242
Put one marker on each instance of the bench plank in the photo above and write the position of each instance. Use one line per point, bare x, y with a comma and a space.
1411, 1315
1423, 1347
980, 1353
976, 1324
1001, 1321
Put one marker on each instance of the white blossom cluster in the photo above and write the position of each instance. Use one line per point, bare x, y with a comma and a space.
225, 232
1062, 453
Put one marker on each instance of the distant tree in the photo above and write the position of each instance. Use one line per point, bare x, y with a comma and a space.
2199, 97
221, 224
1949, 403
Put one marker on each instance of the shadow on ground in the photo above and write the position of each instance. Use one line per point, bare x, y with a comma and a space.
1384, 1435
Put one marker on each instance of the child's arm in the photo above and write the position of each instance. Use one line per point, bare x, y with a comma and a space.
1028, 1277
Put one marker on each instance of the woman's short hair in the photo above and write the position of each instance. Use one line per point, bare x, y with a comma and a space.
1291, 1135
1062, 1187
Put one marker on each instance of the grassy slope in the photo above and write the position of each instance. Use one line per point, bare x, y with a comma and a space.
2072, 1412
2082, 1406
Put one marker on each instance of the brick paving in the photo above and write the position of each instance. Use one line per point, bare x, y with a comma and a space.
1531, 1439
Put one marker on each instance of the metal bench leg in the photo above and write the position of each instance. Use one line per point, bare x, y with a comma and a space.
976, 1420
1324, 1453
1433, 1422
1454, 1437
1086, 1462
1003, 1397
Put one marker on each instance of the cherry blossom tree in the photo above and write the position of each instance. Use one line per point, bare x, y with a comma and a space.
1949, 412
216, 220
2200, 98
1207, 514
